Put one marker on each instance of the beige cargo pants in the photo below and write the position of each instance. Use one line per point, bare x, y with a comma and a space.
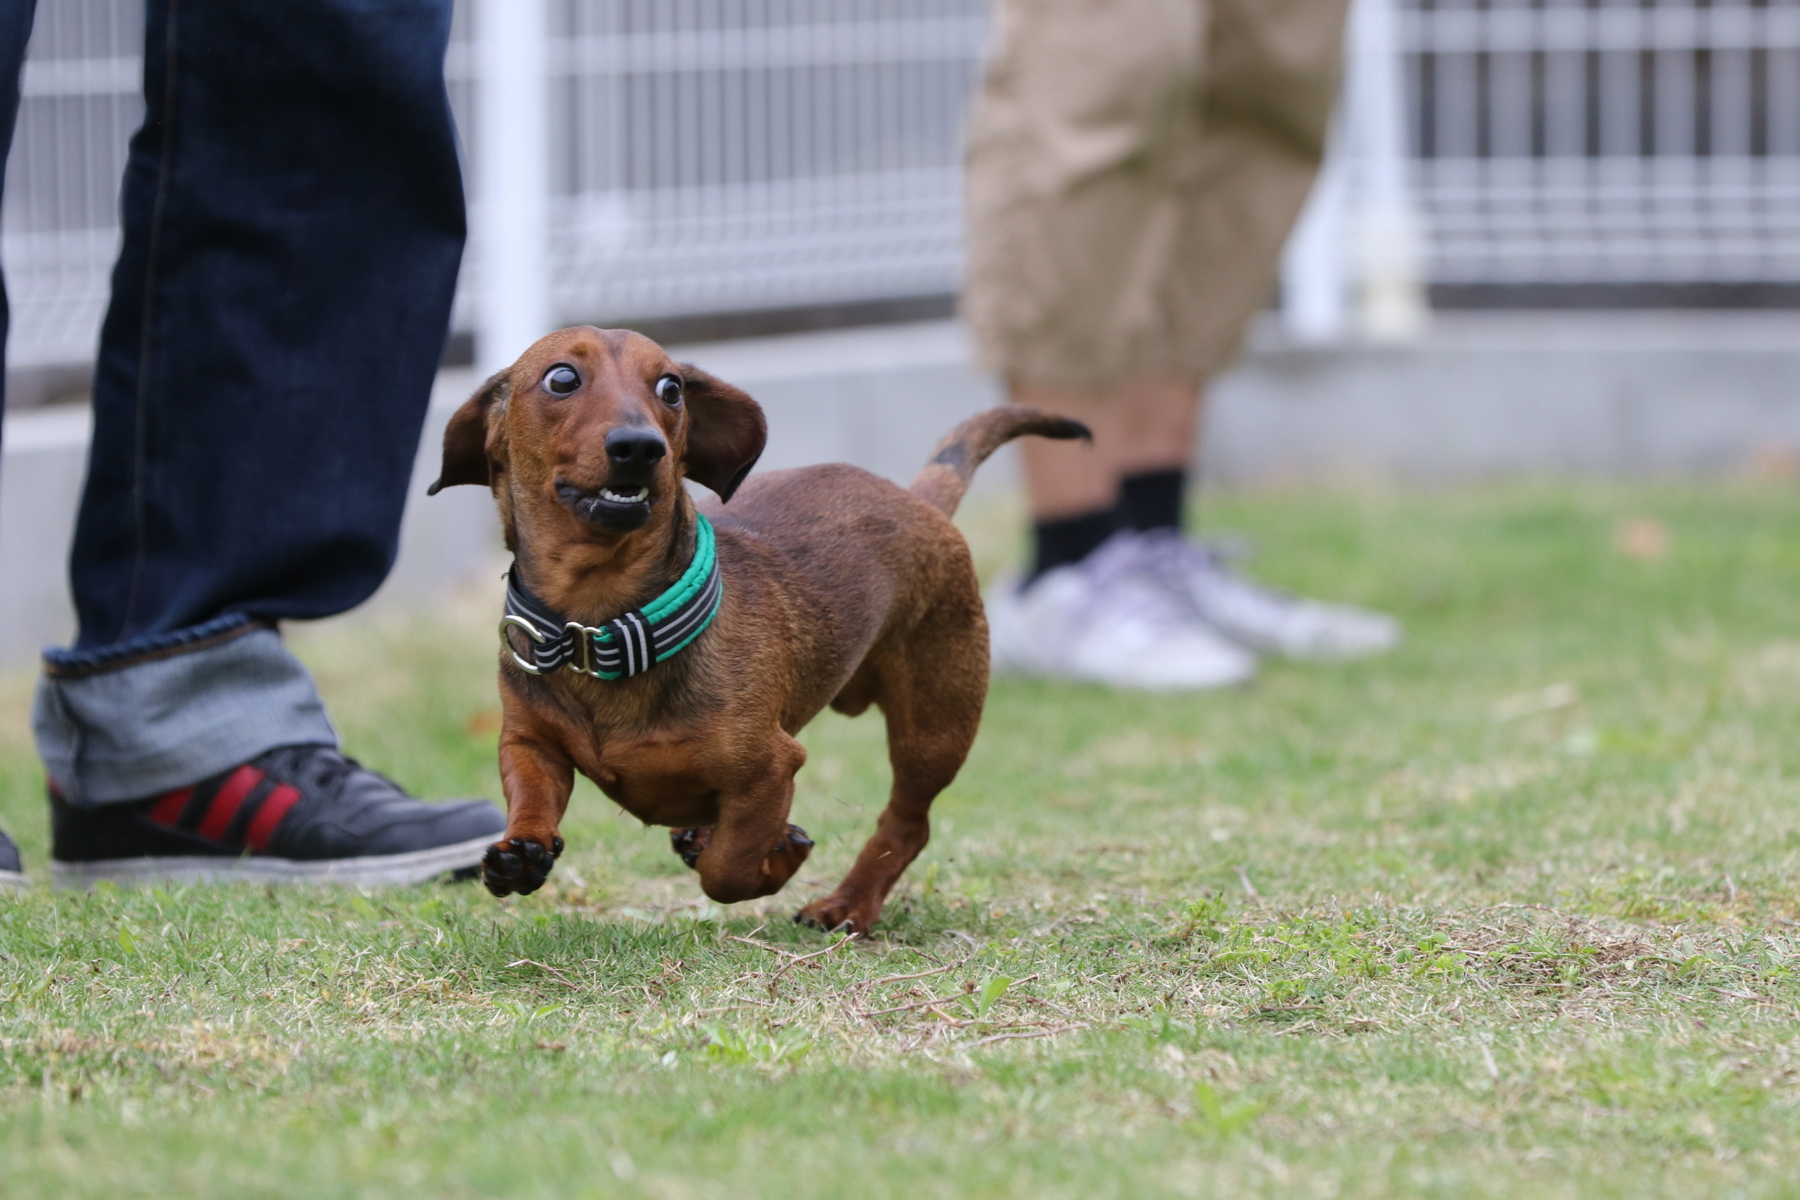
1134, 167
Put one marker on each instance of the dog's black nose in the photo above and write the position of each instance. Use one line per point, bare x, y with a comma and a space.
635, 447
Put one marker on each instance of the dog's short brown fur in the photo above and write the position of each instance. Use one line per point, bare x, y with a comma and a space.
839, 588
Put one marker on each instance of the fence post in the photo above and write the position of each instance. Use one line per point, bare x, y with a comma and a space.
1312, 262
510, 208
1389, 232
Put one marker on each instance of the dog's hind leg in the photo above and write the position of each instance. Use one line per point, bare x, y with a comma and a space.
690, 843
931, 692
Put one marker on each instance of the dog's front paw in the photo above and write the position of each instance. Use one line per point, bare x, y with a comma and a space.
688, 843
518, 865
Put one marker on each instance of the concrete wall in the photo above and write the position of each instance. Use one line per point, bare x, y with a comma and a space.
1482, 396
1499, 394
40, 481
443, 540
879, 398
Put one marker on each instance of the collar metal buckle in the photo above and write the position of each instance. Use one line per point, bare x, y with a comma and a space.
583, 661
510, 622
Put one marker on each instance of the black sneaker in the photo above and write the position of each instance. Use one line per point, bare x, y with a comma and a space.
12, 872
297, 813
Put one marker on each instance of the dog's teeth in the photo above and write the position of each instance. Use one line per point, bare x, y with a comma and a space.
623, 498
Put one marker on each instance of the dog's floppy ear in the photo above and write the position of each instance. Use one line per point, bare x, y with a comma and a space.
726, 432
466, 436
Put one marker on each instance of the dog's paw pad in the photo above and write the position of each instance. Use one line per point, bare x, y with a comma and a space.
518, 865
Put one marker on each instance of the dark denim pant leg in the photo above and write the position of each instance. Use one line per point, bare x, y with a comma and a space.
15, 31
293, 220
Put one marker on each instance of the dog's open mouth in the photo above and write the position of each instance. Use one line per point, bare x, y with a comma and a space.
616, 507
619, 508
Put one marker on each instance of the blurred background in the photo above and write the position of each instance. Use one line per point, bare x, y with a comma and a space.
1554, 236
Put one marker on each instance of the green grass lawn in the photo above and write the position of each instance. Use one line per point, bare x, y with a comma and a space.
1511, 912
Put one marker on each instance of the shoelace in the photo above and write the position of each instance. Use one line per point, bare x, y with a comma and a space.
1177, 561
1116, 571
319, 771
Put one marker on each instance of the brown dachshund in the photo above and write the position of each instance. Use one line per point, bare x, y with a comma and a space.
823, 585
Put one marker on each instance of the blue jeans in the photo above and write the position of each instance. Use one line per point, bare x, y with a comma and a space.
293, 222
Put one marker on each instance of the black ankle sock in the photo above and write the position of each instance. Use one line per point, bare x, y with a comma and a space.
1070, 539
1152, 500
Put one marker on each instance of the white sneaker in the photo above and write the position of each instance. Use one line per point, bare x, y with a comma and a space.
1104, 620
1260, 617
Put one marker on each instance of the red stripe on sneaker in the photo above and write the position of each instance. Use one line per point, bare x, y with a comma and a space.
269, 816
243, 781
168, 810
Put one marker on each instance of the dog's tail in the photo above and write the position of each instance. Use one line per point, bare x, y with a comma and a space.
946, 477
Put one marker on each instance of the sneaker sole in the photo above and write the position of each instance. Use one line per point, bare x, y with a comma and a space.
1367, 644
415, 866
1212, 683
13, 879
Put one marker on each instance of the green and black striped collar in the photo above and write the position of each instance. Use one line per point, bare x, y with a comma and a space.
627, 645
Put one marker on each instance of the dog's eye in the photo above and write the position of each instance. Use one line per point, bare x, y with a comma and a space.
668, 390
561, 380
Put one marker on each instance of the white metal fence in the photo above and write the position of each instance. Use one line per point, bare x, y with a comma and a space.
59, 231
1622, 141
712, 155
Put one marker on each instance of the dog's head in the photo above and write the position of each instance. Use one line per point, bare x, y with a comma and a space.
593, 430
